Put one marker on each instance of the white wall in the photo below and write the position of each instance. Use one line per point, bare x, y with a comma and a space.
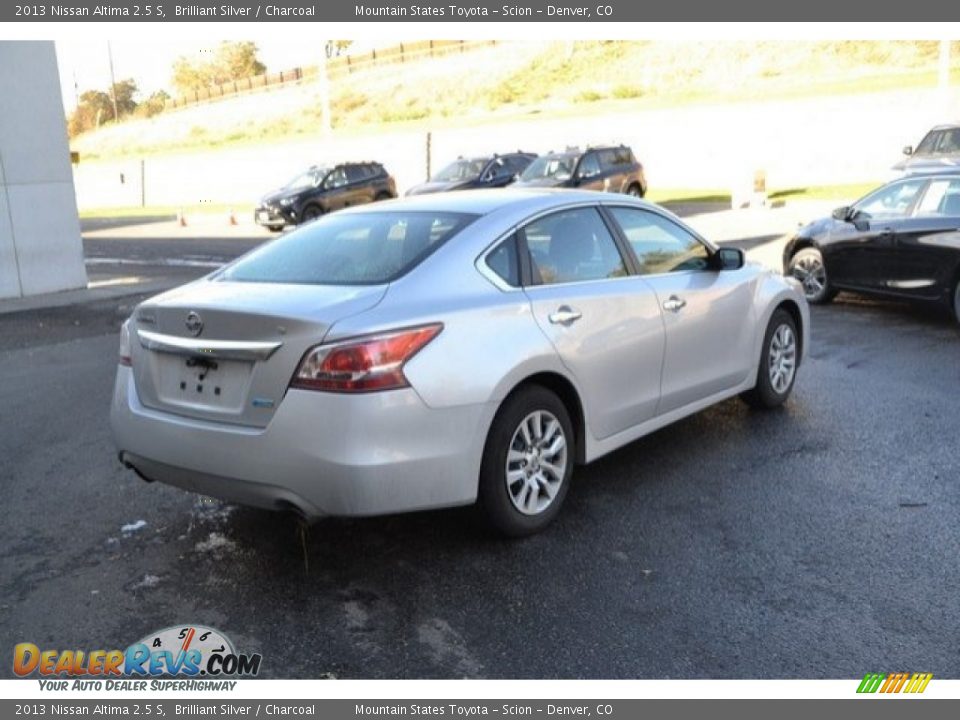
40, 246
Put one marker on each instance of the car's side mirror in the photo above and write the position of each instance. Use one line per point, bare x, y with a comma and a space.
908, 150
729, 258
487, 177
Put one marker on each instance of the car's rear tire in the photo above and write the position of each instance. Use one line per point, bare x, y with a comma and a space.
382, 196
275, 228
527, 462
808, 267
634, 190
779, 358
310, 213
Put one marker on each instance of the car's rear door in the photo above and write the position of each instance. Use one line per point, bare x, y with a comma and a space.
604, 323
922, 260
707, 314
359, 188
613, 169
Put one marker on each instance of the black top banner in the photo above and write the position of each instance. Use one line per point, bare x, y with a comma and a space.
443, 11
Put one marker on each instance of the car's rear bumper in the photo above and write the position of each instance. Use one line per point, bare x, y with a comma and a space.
321, 454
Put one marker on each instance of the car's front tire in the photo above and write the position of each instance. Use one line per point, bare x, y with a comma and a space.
527, 462
808, 267
310, 213
779, 358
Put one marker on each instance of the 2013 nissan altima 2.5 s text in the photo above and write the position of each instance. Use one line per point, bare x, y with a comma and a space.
448, 349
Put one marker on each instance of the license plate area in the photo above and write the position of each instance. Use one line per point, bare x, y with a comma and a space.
201, 383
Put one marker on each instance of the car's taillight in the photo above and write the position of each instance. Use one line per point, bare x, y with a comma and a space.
363, 364
126, 357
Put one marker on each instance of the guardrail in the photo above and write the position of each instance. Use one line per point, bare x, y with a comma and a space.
337, 67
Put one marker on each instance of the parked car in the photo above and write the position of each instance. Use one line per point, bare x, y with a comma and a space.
323, 189
611, 169
938, 151
901, 240
484, 171
446, 349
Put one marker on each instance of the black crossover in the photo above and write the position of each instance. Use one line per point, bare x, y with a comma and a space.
321, 189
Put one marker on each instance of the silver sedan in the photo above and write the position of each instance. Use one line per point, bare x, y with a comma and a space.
444, 350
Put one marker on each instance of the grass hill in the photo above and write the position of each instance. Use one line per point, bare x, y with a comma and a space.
514, 79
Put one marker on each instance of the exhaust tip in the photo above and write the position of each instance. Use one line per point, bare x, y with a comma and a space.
285, 506
122, 457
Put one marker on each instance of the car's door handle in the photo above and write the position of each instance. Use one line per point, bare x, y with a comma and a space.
565, 315
674, 304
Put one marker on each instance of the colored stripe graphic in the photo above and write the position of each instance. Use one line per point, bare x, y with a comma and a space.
894, 683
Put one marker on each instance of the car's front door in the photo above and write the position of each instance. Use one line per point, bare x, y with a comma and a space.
707, 313
336, 190
856, 248
589, 174
604, 323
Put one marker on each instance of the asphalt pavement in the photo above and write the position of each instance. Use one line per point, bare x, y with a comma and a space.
815, 541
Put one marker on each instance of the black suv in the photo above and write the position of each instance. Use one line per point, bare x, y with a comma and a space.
486, 171
608, 168
321, 190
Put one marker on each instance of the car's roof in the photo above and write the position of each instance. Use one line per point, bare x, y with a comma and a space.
945, 126
484, 202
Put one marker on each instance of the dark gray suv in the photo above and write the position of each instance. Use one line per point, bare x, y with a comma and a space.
608, 168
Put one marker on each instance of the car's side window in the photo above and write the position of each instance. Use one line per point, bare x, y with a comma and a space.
589, 166
572, 246
893, 201
337, 178
608, 159
661, 246
941, 199
503, 260
357, 173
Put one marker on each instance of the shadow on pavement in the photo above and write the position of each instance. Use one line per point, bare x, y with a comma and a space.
105, 223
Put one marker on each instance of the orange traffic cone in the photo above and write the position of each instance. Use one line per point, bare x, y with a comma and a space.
232, 217
181, 218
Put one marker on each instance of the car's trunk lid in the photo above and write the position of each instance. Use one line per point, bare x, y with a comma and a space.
226, 351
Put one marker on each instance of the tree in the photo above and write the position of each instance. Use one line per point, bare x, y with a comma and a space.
231, 61
96, 107
153, 105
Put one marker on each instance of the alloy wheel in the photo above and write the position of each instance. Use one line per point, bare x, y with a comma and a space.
782, 358
811, 273
536, 462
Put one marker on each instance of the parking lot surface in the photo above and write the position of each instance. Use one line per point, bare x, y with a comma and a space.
815, 541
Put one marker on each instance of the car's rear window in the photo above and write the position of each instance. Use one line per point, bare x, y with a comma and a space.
350, 249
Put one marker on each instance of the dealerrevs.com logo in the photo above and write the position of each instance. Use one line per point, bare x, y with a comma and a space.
191, 651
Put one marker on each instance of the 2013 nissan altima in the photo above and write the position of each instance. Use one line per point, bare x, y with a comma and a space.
447, 349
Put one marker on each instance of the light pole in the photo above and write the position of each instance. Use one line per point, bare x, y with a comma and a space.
113, 83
